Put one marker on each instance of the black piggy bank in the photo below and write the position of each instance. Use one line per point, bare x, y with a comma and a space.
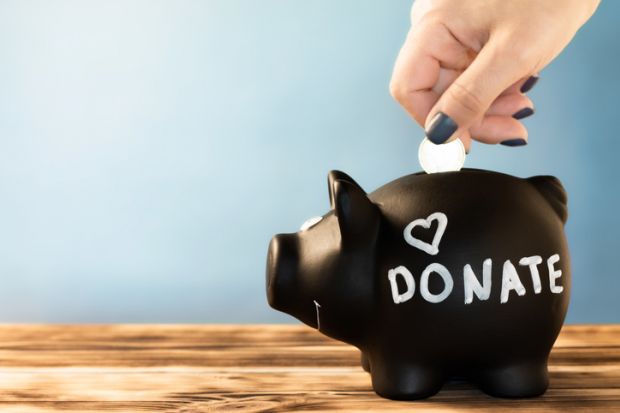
434, 277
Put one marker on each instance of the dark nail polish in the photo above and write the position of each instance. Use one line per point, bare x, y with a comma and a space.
523, 113
441, 128
529, 84
514, 142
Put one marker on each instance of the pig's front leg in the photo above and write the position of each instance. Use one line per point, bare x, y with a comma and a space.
396, 379
365, 361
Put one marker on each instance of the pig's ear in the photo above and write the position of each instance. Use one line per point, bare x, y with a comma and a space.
553, 191
334, 176
358, 217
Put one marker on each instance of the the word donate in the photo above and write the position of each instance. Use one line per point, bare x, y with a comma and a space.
471, 285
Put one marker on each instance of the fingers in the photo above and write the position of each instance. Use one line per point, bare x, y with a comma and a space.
523, 85
514, 105
500, 122
500, 125
467, 141
528, 84
429, 60
447, 76
471, 94
510, 102
500, 129
415, 73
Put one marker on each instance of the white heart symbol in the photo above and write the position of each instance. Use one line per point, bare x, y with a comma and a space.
433, 248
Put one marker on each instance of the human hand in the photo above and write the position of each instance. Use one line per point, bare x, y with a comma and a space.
465, 65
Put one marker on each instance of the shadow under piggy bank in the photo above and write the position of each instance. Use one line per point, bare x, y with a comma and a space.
460, 274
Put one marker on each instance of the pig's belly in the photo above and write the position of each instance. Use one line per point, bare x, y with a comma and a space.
454, 333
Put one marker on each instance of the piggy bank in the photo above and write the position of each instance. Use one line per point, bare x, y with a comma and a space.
434, 277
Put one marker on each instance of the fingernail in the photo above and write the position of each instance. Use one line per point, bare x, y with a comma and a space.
523, 113
441, 128
514, 142
529, 84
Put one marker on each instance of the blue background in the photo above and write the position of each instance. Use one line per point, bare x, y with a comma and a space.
149, 149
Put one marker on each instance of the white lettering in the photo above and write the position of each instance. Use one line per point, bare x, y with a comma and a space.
472, 285
532, 262
554, 274
510, 281
447, 279
409, 281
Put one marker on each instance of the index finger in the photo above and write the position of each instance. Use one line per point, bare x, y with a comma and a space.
427, 50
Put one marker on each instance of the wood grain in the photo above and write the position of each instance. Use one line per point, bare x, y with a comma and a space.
257, 368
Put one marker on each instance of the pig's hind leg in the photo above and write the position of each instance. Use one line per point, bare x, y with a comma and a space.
400, 380
365, 361
522, 379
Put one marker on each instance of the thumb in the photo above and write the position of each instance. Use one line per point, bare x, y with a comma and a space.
470, 95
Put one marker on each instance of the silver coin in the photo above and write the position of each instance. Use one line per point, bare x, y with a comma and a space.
441, 158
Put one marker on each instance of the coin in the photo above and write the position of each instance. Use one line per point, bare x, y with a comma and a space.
445, 157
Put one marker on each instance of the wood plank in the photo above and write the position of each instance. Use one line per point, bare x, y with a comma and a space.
196, 368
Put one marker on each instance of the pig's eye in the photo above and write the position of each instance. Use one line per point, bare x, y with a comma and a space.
310, 222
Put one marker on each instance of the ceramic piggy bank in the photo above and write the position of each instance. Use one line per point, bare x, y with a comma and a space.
434, 277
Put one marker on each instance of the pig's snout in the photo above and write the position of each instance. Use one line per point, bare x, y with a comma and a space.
282, 264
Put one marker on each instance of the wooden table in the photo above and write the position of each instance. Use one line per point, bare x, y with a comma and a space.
205, 368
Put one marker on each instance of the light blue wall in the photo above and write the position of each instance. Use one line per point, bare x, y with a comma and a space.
149, 149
